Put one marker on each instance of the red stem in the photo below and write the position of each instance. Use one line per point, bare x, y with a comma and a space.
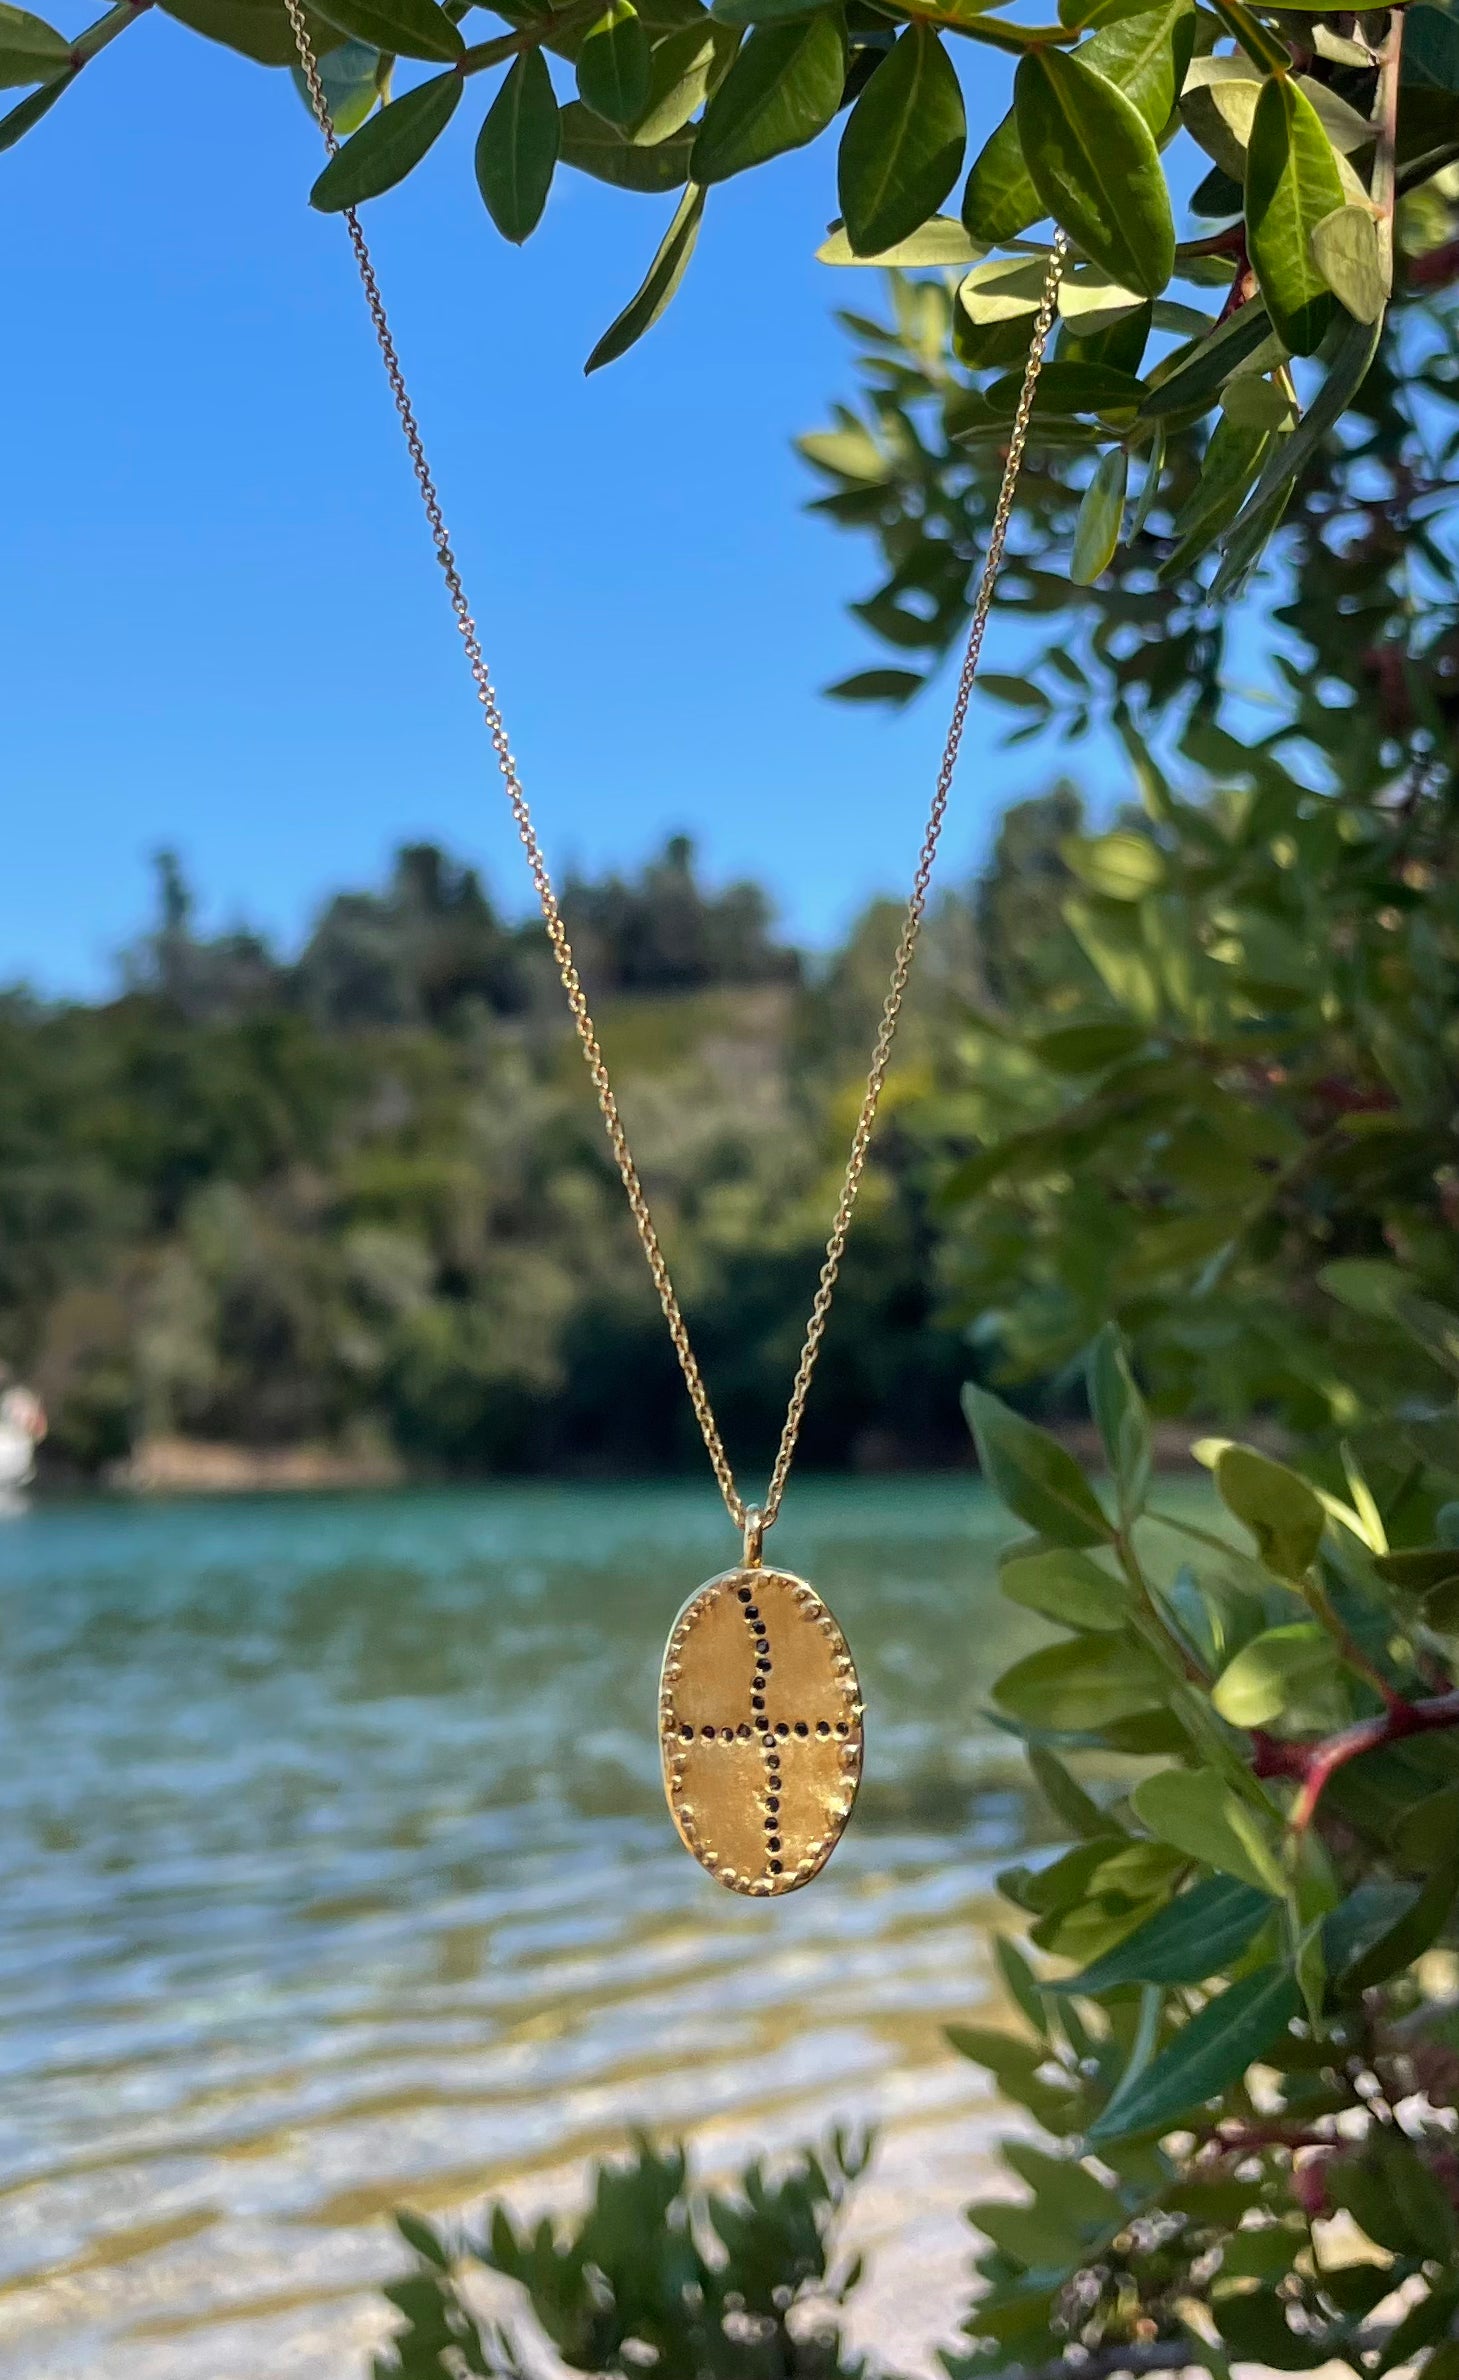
1314, 1764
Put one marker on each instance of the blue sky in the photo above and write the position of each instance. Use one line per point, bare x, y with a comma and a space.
221, 626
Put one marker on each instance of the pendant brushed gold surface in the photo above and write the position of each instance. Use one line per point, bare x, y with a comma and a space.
760, 1727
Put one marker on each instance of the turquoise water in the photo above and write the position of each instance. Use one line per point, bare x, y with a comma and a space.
334, 1873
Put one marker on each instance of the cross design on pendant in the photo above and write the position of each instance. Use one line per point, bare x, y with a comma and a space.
760, 1725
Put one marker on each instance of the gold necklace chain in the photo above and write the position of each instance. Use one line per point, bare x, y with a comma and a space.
753, 1520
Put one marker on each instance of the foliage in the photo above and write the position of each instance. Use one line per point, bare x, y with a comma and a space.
1227, 2022
742, 2284
1300, 109
364, 1195
1209, 1093
1230, 2033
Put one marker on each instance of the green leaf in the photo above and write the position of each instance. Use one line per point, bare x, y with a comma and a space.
940, 240
1086, 1049
1120, 1416
1195, 381
255, 29
1004, 289
613, 65
1348, 252
595, 147
669, 266
409, 28
1067, 1587
1209, 2053
1396, 2197
388, 145
783, 88
686, 60
516, 149
1418, 1569
1079, 1687
1347, 370
1123, 865
1410, 1935
878, 685
1274, 1669
1101, 517
1036, 1478
351, 77
1197, 1811
1201, 1932
1254, 2323
1071, 388
1093, 160
31, 51
1146, 55
1066, 1797
18, 121
1280, 1510
1233, 457
902, 149
1292, 185
999, 200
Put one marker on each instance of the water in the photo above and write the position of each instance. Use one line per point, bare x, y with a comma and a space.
335, 1874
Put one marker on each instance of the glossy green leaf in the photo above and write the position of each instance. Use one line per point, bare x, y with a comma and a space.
1068, 1587
351, 77
878, 685
941, 240
1410, 1935
1120, 1416
1066, 1797
1253, 402
1036, 1478
686, 61
783, 88
902, 149
388, 145
1280, 1510
1196, 379
1004, 289
1275, 1669
1072, 388
594, 147
409, 28
31, 51
1292, 185
1080, 1687
1263, 510
1086, 1049
1209, 2053
613, 65
257, 29
1198, 1812
1233, 457
516, 150
1094, 162
659, 284
1100, 517
1146, 54
1347, 250
1198, 1934
16, 123
999, 199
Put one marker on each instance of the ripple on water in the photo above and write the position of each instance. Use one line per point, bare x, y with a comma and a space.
335, 1872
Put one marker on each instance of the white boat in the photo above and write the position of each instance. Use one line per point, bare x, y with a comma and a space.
22, 1427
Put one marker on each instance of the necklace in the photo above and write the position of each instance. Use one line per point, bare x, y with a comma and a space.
760, 1710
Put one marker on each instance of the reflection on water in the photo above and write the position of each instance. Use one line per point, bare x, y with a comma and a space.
335, 1872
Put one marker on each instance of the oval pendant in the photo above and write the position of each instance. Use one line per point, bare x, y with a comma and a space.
760, 1726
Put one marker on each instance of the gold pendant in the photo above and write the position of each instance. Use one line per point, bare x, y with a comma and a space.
760, 1727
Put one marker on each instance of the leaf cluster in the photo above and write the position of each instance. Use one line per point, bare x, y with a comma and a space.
743, 2283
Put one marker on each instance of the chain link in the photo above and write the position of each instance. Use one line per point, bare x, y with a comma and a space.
557, 935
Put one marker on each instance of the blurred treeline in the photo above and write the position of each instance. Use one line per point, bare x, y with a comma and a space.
360, 1196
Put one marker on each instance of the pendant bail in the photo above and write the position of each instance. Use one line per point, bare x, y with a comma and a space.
755, 1527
